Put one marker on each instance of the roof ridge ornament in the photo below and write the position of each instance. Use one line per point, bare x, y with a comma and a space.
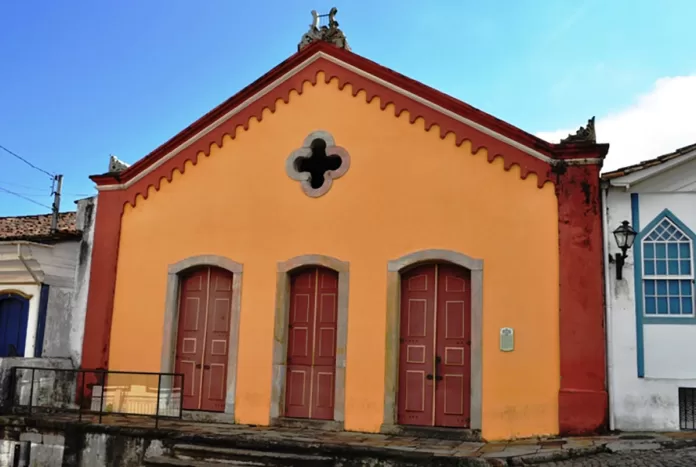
116, 165
584, 134
327, 33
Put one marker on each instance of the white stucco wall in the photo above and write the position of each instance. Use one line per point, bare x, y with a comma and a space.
50, 265
86, 212
650, 402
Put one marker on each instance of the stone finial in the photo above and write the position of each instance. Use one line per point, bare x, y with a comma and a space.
328, 33
117, 165
583, 135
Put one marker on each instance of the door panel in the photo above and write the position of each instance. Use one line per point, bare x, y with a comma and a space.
311, 352
324, 369
434, 353
300, 338
415, 395
217, 341
191, 334
205, 307
453, 347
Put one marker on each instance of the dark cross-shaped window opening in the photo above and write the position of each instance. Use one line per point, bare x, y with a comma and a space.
318, 163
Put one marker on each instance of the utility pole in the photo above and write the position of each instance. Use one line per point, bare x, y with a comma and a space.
58, 183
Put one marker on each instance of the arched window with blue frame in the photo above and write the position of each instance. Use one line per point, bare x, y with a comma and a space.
14, 315
667, 268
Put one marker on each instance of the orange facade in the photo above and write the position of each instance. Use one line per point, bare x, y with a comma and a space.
408, 188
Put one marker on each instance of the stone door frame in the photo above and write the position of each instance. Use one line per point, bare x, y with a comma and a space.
280, 338
391, 371
171, 318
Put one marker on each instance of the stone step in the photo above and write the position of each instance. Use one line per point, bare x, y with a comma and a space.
162, 461
256, 457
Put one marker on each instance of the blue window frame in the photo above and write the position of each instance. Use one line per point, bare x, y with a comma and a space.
667, 269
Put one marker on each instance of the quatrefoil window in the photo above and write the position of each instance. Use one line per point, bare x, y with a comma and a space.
317, 163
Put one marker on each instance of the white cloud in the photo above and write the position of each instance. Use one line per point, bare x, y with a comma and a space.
659, 122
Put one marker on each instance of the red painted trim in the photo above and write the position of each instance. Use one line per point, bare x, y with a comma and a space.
102, 280
512, 156
582, 400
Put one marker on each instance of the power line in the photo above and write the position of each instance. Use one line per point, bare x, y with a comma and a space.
26, 161
26, 187
26, 198
32, 194
37, 189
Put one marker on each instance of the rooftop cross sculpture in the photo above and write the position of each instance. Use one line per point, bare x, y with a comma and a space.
328, 33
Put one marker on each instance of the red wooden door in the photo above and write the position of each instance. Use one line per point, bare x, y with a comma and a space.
311, 353
416, 351
434, 354
453, 347
217, 338
191, 334
205, 306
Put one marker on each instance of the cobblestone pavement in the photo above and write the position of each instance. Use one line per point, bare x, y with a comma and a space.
659, 458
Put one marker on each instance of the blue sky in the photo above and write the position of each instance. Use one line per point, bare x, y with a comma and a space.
85, 79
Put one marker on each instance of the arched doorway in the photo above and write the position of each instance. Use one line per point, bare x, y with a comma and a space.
434, 380
311, 350
14, 315
203, 336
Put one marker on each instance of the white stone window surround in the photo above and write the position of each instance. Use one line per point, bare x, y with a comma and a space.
305, 152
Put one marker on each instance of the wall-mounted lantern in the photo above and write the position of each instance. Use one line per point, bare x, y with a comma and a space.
624, 236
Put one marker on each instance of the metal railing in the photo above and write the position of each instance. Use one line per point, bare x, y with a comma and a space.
97, 392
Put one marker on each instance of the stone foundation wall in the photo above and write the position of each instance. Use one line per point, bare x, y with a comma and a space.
54, 389
73, 448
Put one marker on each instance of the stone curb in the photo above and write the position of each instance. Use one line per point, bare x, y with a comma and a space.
554, 456
678, 443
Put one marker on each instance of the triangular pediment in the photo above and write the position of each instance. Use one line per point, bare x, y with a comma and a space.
500, 139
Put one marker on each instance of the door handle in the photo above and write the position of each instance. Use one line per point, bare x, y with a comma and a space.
429, 377
438, 359
206, 367
198, 366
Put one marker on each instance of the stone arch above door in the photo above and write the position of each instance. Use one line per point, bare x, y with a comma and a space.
171, 317
280, 335
394, 270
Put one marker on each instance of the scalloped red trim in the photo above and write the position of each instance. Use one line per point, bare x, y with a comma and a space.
495, 148
511, 155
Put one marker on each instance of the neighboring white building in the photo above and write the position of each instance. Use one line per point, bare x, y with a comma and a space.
651, 320
43, 290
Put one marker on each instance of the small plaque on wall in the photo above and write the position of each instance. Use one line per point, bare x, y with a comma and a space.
507, 339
